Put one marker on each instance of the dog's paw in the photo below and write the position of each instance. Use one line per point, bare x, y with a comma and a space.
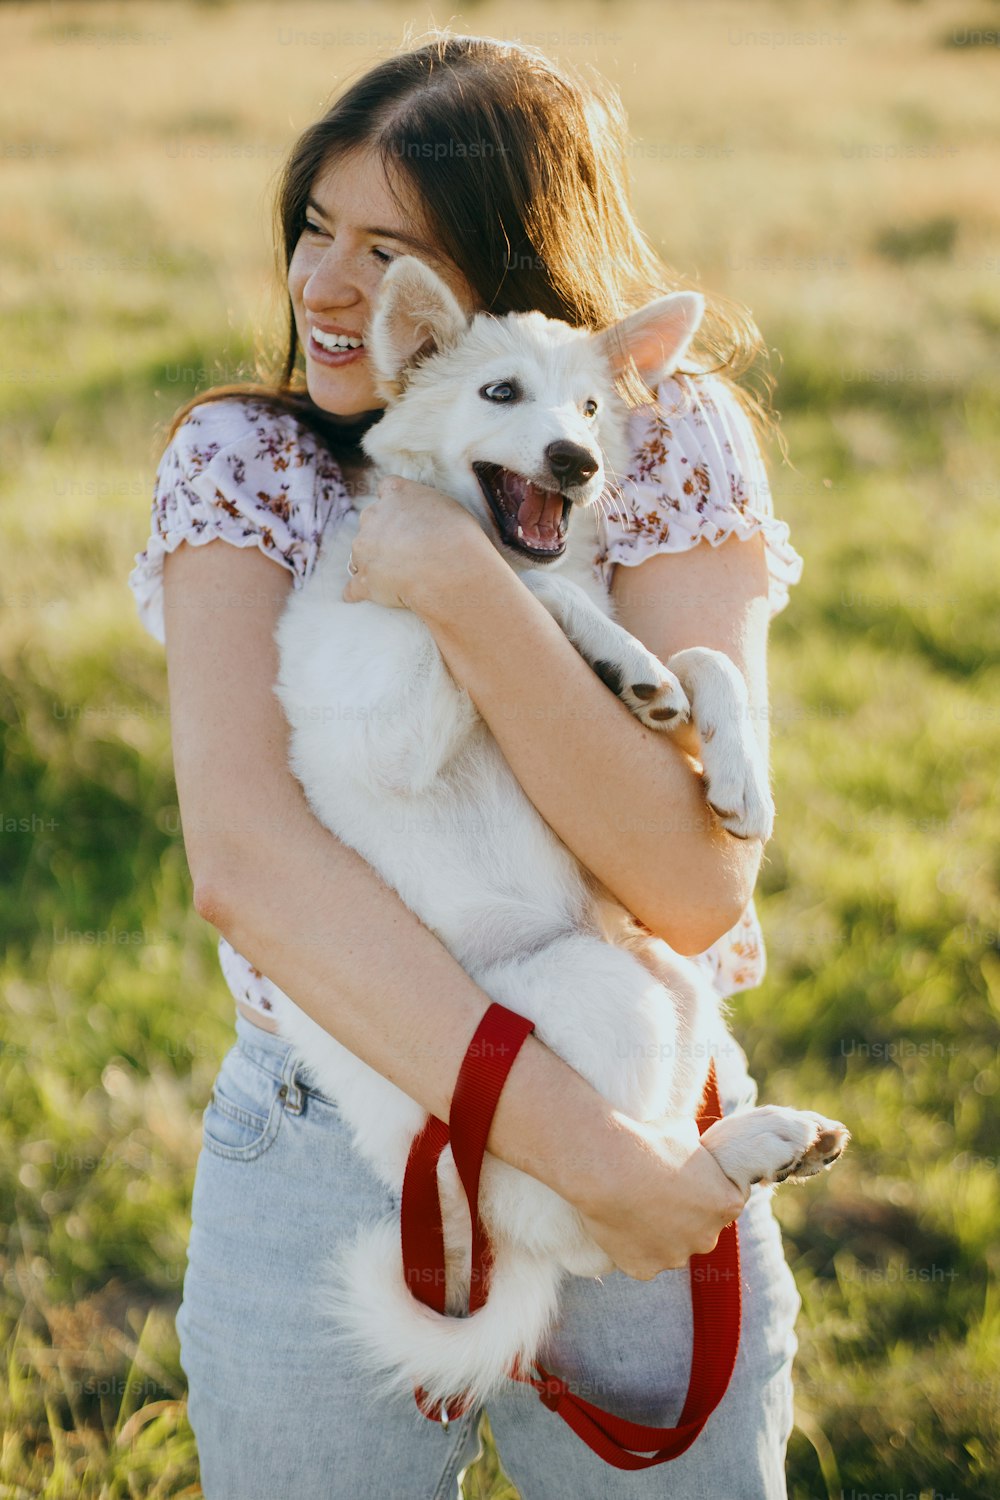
733, 762
736, 786
658, 705
772, 1144
645, 686
826, 1145
815, 1142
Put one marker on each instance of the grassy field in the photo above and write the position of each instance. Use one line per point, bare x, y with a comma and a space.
833, 166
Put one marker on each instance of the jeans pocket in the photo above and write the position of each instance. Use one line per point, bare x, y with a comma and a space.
242, 1117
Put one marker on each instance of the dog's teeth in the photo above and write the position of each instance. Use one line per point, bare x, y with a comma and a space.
520, 532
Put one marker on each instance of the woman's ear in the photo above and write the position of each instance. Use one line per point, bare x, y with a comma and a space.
415, 315
656, 336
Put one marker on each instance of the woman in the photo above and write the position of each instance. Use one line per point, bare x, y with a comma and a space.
508, 177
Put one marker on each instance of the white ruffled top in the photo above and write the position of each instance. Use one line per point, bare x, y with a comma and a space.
239, 472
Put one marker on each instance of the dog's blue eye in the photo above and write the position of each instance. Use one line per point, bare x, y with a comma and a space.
499, 390
590, 408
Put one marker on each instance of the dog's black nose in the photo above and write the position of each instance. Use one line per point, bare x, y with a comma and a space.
570, 463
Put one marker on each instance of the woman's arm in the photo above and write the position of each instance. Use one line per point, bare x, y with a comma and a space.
313, 916
626, 800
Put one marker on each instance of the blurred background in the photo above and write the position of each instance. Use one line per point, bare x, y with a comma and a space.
834, 166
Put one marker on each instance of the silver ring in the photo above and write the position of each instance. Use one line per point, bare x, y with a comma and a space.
352, 566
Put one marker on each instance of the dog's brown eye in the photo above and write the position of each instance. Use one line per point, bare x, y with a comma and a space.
500, 390
590, 408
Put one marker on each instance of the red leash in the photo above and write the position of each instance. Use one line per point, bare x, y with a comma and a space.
715, 1277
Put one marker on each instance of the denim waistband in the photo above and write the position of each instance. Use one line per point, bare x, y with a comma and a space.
274, 1055
267, 1049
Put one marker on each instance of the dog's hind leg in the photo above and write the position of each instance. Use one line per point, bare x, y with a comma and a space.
612, 1018
773, 1144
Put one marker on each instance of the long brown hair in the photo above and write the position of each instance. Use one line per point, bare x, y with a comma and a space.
520, 168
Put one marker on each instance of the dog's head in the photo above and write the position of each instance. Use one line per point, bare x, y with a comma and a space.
516, 417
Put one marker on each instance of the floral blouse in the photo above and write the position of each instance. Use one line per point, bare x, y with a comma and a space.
237, 471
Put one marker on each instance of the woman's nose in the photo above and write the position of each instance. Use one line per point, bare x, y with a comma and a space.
331, 283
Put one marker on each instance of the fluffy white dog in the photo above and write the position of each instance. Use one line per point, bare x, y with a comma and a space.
516, 418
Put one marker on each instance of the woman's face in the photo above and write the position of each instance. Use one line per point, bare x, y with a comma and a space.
354, 230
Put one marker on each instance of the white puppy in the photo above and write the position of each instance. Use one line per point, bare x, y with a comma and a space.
516, 418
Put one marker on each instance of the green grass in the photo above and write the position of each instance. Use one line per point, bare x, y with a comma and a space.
136, 271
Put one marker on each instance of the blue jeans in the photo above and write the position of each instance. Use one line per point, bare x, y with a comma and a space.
279, 1415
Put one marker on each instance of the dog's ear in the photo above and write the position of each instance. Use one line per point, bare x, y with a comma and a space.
656, 336
415, 315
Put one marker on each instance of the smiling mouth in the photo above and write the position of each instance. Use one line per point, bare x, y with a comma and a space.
530, 520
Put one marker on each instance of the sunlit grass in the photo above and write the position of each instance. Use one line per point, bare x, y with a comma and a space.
136, 265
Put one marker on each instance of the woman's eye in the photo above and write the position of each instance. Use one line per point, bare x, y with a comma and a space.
309, 226
590, 408
499, 390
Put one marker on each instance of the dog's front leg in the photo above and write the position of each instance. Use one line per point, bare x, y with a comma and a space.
623, 664
736, 779
698, 686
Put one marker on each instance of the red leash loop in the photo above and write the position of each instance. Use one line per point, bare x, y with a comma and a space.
715, 1277
488, 1059
498, 1039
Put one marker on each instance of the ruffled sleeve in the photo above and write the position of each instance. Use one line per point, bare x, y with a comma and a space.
697, 473
239, 472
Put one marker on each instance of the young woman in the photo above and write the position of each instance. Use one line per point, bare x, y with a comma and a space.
508, 177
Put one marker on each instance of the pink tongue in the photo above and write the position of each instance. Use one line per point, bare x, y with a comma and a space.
539, 515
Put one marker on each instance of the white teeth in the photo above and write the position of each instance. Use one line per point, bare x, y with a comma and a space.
520, 531
336, 341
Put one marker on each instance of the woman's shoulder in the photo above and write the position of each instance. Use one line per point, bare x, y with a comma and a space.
229, 433
697, 420
242, 471
243, 454
695, 473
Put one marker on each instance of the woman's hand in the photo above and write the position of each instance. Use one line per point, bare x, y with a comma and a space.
410, 544
660, 1198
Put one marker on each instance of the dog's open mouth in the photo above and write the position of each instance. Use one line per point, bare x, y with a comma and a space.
531, 520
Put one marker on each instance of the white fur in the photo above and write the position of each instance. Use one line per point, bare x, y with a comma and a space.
396, 761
